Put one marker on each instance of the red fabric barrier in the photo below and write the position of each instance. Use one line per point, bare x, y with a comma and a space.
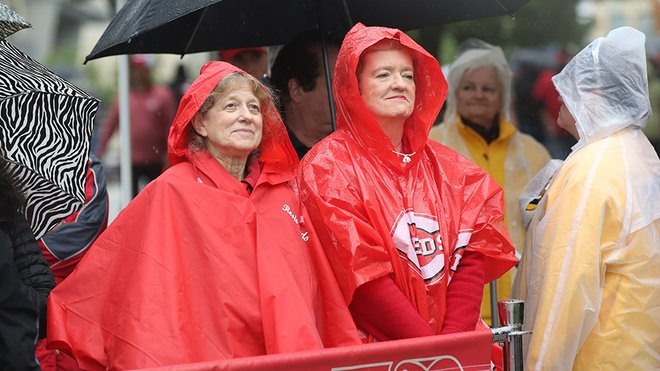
463, 351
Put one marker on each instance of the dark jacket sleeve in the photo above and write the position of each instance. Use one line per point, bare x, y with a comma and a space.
18, 315
66, 244
32, 267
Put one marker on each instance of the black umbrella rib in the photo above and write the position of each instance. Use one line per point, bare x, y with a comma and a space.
348, 14
503, 7
192, 36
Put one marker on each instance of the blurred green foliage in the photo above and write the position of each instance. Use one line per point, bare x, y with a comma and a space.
537, 23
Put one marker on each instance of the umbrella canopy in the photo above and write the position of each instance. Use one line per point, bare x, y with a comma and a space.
10, 22
45, 131
181, 27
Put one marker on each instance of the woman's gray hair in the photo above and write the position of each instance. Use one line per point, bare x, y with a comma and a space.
478, 54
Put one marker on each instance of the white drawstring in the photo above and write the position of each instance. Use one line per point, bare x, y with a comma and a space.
406, 156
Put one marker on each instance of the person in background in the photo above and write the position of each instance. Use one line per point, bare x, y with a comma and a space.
298, 76
251, 60
527, 109
557, 140
412, 229
589, 273
18, 315
214, 259
477, 124
25, 282
66, 244
152, 107
179, 83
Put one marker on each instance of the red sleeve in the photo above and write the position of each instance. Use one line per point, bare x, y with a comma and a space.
381, 309
541, 86
464, 294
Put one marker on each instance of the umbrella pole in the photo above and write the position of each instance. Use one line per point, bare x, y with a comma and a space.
326, 64
328, 81
125, 170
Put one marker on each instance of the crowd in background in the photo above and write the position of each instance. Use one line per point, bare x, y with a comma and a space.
374, 219
533, 106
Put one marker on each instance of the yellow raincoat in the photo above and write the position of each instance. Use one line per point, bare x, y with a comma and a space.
512, 159
590, 274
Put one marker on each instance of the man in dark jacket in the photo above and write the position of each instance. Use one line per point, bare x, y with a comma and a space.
30, 263
18, 315
299, 78
25, 282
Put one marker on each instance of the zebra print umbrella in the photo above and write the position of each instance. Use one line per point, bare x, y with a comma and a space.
10, 22
45, 132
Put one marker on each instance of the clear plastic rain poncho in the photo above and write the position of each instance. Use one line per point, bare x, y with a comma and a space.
590, 274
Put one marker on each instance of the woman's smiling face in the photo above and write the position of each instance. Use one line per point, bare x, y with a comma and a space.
479, 96
386, 81
233, 126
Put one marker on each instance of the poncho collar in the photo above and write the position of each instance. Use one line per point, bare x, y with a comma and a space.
354, 117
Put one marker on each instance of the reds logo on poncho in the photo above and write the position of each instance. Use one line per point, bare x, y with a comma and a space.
417, 237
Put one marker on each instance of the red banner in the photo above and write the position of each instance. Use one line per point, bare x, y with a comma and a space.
463, 351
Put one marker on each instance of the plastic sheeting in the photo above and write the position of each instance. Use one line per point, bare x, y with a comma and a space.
378, 212
198, 269
589, 274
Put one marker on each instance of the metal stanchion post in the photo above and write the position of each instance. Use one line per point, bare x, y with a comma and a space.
493, 305
511, 315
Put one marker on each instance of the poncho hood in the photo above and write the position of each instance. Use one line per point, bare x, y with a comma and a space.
605, 85
276, 149
478, 54
353, 115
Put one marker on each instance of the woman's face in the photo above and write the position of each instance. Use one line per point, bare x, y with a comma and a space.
479, 96
387, 84
233, 126
566, 121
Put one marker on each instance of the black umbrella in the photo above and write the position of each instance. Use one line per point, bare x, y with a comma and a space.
45, 131
10, 22
182, 27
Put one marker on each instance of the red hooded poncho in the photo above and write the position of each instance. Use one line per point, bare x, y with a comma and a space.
196, 269
379, 215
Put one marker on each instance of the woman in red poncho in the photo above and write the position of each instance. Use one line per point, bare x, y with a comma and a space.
212, 260
412, 229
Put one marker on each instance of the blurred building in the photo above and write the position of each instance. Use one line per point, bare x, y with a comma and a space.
65, 31
609, 14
